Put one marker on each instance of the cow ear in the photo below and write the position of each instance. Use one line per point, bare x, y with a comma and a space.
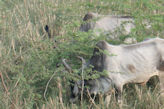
102, 45
88, 16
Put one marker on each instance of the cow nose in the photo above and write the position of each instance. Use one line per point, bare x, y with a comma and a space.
73, 100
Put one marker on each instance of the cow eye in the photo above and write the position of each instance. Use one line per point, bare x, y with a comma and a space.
72, 95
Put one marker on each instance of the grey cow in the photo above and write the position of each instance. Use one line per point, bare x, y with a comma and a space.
135, 63
101, 85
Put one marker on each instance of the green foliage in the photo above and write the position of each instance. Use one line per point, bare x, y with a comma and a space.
28, 58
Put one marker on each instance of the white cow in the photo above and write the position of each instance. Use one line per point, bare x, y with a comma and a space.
135, 63
109, 25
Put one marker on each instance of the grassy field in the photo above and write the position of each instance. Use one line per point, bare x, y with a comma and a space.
28, 58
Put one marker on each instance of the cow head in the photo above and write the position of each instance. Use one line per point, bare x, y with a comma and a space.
75, 91
98, 58
101, 85
90, 15
88, 24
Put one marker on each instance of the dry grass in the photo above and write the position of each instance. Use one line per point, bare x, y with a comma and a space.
28, 59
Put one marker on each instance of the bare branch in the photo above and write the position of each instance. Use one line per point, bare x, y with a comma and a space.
3, 83
82, 76
60, 92
83, 61
68, 68
47, 85
16, 83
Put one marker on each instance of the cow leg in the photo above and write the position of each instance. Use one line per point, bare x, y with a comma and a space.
94, 96
119, 97
119, 94
161, 79
107, 100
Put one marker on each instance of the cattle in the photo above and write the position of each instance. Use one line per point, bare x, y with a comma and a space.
108, 25
134, 63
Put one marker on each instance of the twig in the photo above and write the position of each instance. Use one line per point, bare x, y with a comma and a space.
12, 103
3, 83
82, 76
47, 85
92, 100
68, 68
85, 64
60, 93
7, 76
83, 61
16, 83
13, 46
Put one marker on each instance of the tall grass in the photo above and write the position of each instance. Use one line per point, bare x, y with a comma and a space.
28, 58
